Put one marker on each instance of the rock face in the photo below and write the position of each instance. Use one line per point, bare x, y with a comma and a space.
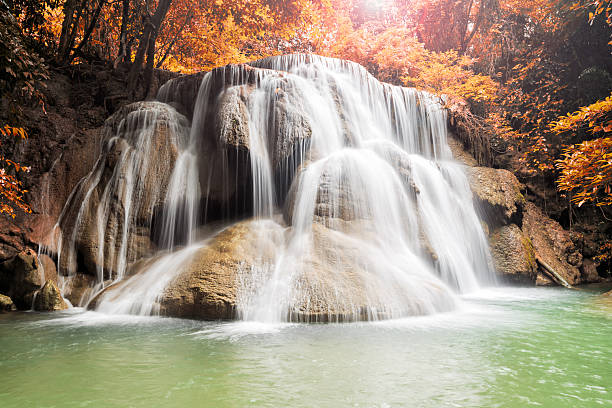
49, 299
499, 200
498, 195
140, 151
521, 235
589, 271
6, 304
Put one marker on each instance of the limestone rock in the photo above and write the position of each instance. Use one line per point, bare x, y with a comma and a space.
181, 92
206, 289
513, 255
459, 152
589, 272
158, 146
49, 299
233, 119
337, 199
552, 244
48, 265
291, 129
498, 195
78, 288
332, 281
6, 304
20, 278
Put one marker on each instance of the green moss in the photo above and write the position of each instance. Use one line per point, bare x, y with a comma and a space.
529, 250
519, 197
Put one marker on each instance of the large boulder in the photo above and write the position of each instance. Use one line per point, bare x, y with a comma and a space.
332, 276
207, 286
49, 298
20, 278
513, 255
552, 244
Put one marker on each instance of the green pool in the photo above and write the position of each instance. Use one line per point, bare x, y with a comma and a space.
507, 347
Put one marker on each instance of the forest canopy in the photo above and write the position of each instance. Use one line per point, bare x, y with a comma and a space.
535, 74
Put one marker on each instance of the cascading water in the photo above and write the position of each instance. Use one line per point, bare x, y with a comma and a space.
376, 219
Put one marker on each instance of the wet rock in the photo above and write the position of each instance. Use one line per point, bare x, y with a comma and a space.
49, 299
340, 280
182, 92
333, 281
48, 265
233, 119
337, 198
513, 255
93, 210
552, 244
78, 288
20, 278
290, 128
207, 286
498, 195
6, 304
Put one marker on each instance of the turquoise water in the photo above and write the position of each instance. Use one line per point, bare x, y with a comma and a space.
506, 348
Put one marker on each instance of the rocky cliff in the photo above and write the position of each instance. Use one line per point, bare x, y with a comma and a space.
72, 138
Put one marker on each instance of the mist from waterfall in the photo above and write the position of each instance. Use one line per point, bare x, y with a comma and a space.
357, 177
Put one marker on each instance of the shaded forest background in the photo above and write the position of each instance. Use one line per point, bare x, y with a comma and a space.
527, 83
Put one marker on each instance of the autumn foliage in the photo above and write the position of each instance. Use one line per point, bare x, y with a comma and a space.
521, 66
586, 168
11, 191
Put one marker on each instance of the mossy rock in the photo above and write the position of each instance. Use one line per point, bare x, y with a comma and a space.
6, 304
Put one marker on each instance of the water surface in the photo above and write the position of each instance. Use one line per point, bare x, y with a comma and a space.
506, 348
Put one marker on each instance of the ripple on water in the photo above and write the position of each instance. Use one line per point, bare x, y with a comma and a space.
526, 347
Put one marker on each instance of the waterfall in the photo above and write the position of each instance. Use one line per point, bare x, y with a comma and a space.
356, 176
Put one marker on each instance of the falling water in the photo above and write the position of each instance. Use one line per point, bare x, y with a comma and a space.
357, 176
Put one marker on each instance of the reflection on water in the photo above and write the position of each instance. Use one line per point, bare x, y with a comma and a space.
504, 348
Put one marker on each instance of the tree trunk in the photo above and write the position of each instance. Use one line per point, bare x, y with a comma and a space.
148, 72
90, 28
123, 46
69, 8
71, 31
146, 47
